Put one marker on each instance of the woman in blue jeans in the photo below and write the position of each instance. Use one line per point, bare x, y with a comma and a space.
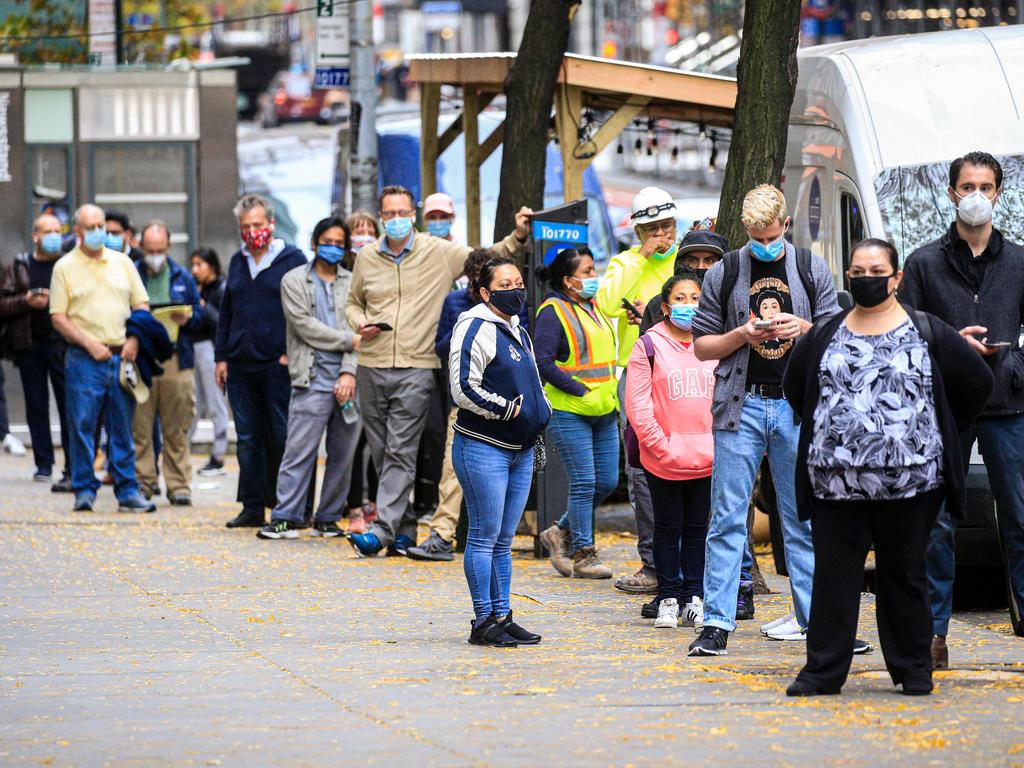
502, 410
576, 357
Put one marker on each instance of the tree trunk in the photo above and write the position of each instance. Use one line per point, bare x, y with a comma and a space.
529, 94
766, 76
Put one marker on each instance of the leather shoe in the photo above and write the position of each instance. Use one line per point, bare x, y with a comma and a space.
940, 653
802, 688
247, 519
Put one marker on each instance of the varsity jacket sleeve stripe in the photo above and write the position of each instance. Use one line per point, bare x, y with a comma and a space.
473, 348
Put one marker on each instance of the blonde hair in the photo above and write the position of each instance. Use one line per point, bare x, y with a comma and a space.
762, 207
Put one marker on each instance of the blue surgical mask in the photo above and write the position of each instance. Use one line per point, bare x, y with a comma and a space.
114, 242
51, 242
95, 239
330, 254
682, 316
589, 287
398, 228
769, 252
439, 227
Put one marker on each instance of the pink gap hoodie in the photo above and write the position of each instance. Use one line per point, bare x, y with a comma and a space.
670, 407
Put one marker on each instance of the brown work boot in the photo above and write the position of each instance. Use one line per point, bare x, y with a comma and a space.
557, 543
643, 582
587, 565
940, 653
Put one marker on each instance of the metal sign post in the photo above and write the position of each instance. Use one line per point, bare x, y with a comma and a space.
331, 61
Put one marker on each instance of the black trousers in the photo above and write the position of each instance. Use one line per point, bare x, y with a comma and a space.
843, 531
40, 366
682, 510
430, 456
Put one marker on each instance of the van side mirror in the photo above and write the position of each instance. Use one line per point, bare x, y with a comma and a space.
845, 299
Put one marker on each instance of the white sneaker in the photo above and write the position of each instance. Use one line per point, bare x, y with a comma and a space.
668, 614
693, 614
790, 630
766, 628
14, 446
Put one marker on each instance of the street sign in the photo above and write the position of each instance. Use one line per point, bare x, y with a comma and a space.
331, 62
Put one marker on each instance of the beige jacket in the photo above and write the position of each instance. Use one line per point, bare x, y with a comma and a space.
306, 333
408, 297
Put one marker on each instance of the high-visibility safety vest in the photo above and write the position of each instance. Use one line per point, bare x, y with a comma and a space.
591, 360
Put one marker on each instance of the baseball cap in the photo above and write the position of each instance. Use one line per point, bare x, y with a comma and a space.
439, 201
703, 240
131, 381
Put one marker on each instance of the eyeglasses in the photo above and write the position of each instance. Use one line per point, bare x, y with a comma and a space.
658, 226
403, 214
653, 210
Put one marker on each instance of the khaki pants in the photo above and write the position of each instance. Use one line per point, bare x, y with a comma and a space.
173, 398
446, 516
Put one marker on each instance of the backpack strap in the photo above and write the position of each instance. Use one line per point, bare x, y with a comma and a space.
803, 266
924, 327
649, 349
731, 266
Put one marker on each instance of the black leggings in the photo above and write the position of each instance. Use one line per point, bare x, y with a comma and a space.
682, 509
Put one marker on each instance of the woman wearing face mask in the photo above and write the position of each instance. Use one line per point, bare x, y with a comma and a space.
668, 403
883, 392
364, 228
576, 357
502, 410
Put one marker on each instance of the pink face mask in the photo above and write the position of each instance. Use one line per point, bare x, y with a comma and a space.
258, 239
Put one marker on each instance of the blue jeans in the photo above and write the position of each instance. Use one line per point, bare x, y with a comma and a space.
93, 388
259, 401
589, 448
766, 425
1001, 443
495, 482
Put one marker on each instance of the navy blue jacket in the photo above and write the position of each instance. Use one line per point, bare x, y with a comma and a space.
251, 326
154, 344
182, 290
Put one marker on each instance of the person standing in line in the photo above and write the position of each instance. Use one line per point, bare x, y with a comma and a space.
502, 411
750, 414
172, 394
576, 357
636, 275
210, 401
252, 360
883, 394
668, 402
93, 292
38, 350
439, 215
364, 228
401, 283
322, 357
121, 235
972, 278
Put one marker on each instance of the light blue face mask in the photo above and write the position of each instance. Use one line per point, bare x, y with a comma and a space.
51, 242
589, 286
330, 254
439, 227
95, 239
114, 242
769, 252
682, 316
398, 228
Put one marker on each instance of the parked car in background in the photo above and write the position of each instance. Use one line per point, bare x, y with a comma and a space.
291, 97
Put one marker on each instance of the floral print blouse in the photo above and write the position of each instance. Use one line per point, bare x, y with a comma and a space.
876, 435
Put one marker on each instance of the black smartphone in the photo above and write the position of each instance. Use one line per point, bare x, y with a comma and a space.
628, 306
381, 326
995, 344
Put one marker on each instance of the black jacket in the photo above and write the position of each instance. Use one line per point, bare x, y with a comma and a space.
212, 295
961, 388
936, 280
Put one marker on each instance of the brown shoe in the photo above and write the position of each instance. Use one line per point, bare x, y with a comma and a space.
587, 565
642, 582
556, 541
940, 653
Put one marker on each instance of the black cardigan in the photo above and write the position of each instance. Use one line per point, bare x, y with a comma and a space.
961, 389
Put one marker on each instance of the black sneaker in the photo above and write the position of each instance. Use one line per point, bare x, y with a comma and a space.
650, 610
278, 529
212, 468
328, 530
712, 642
180, 500
136, 504
517, 633
247, 519
62, 486
42, 476
434, 548
860, 647
489, 632
745, 601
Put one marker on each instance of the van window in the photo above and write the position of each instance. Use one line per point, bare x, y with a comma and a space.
852, 230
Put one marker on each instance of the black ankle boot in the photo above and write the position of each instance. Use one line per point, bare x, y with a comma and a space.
516, 632
489, 632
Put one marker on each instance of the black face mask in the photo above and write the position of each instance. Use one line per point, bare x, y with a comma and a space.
870, 291
508, 302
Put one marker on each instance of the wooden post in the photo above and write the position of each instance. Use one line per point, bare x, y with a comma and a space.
430, 107
470, 113
568, 113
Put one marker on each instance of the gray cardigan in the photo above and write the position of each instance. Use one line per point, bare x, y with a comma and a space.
731, 373
305, 332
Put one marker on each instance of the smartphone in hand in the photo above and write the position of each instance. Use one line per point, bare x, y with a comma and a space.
630, 309
763, 325
381, 326
995, 344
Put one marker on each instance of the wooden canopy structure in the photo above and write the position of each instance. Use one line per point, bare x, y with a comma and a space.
624, 89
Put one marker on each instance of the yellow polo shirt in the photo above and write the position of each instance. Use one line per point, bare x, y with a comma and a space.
97, 294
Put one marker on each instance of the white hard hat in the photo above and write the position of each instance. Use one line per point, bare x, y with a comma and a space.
652, 204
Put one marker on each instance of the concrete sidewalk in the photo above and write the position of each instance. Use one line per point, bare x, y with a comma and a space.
169, 640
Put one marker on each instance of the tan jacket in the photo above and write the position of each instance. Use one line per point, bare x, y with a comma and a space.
305, 332
408, 297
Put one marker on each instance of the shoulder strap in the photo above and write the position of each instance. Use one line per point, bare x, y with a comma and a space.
803, 266
649, 349
731, 273
924, 327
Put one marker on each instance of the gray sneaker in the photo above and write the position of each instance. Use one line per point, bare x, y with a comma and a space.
640, 583
557, 543
434, 548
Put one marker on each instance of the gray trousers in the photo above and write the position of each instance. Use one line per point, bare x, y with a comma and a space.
394, 404
309, 414
210, 401
639, 496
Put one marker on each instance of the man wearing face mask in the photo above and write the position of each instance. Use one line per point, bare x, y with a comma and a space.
751, 417
971, 277
119, 235
38, 349
699, 250
401, 282
172, 396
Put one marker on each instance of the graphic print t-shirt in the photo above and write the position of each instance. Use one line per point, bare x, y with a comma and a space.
769, 296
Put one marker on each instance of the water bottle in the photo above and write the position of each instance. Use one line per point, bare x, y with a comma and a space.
349, 412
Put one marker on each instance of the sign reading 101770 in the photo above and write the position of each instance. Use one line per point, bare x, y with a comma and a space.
332, 44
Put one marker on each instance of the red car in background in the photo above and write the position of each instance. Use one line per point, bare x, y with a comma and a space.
292, 98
